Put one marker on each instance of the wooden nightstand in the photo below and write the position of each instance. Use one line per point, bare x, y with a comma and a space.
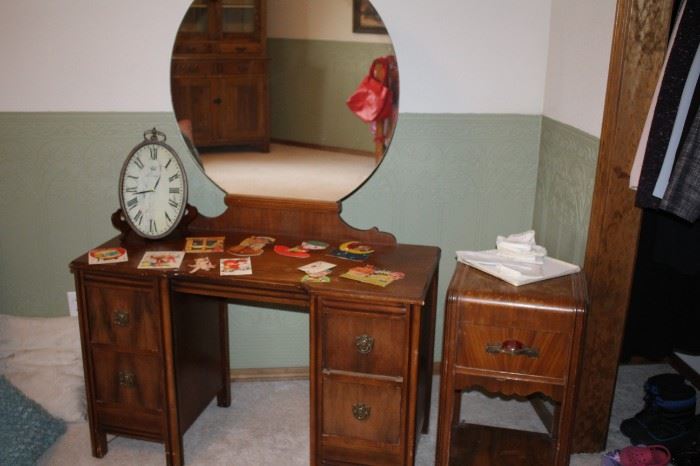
513, 341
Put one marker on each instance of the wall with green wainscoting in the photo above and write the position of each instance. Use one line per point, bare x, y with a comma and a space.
567, 166
454, 181
309, 83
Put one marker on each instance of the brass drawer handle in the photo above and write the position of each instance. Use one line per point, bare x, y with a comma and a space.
121, 318
127, 379
241, 49
513, 348
361, 411
364, 343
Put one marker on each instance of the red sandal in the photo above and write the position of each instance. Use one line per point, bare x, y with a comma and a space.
652, 455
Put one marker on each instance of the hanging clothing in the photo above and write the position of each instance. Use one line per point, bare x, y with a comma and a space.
661, 317
683, 193
678, 126
680, 60
636, 170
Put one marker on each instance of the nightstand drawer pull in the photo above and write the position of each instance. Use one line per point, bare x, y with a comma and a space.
361, 411
513, 348
121, 318
364, 343
127, 379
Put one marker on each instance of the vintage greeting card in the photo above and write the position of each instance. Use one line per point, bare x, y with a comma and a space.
370, 274
235, 266
107, 256
205, 244
161, 260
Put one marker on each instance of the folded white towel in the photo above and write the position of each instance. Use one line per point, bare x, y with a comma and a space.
517, 260
536, 256
521, 247
492, 257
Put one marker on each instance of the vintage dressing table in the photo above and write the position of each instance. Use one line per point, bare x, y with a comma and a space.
155, 343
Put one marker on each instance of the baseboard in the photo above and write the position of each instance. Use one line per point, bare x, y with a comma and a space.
308, 145
269, 374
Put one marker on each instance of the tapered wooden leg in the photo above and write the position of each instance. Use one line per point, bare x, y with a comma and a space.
446, 419
431, 310
223, 398
174, 454
98, 440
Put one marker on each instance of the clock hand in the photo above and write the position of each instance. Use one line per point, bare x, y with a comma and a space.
156, 185
143, 192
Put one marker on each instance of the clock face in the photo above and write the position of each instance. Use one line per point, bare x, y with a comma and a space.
153, 190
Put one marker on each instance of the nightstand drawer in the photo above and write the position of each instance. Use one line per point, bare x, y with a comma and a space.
127, 318
365, 341
513, 350
361, 408
128, 380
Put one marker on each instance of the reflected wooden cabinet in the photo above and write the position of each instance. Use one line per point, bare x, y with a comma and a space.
219, 73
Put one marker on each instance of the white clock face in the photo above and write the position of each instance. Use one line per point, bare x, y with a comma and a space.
153, 190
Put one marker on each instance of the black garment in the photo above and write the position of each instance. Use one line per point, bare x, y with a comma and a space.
664, 311
680, 58
682, 196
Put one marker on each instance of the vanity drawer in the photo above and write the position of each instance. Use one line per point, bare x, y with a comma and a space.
541, 352
364, 409
370, 340
128, 380
243, 67
125, 317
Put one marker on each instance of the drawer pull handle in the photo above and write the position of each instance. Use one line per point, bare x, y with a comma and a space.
513, 348
127, 379
361, 411
364, 343
121, 318
241, 49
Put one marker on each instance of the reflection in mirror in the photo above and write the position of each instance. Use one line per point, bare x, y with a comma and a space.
260, 89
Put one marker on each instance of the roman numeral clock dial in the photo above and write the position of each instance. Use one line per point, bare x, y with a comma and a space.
153, 187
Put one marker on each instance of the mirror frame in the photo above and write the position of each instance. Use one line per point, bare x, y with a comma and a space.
381, 147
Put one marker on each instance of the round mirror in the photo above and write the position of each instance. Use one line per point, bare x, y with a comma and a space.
285, 98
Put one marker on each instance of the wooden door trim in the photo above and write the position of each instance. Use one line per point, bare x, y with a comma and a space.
640, 38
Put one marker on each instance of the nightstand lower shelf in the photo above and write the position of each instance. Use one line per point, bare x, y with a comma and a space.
478, 445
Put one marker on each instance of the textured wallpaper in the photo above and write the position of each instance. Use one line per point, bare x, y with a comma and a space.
565, 181
453, 181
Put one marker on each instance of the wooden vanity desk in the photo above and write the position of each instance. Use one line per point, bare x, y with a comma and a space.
155, 343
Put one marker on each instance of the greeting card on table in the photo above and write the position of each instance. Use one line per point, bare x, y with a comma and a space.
315, 268
205, 244
161, 260
235, 266
107, 256
370, 274
251, 246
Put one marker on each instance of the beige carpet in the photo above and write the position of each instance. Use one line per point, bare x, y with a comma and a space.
288, 171
268, 424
